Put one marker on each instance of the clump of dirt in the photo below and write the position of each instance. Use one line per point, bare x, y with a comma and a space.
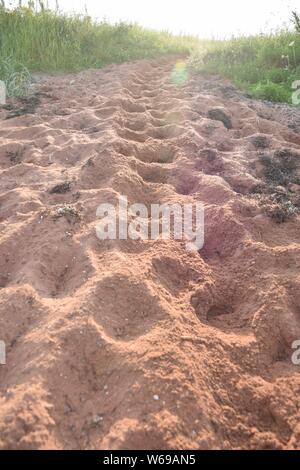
280, 167
61, 188
280, 194
71, 213
260, 141
281, 210
220, 114
14, 157
209, 161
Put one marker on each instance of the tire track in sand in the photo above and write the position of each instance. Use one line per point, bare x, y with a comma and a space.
94, 330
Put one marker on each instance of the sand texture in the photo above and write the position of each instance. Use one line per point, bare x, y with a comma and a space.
125, 344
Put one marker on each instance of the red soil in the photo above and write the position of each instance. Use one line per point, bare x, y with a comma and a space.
141, 344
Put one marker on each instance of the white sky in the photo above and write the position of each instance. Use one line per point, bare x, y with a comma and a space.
205, 18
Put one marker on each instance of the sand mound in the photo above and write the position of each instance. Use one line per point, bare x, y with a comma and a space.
140, 344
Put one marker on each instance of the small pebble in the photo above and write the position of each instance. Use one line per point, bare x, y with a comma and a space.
97, 419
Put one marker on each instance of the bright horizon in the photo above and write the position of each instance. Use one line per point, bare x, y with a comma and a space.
209, 18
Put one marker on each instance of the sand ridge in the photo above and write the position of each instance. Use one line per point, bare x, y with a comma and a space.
140, 344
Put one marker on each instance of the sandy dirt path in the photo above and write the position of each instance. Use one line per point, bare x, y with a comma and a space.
141, 344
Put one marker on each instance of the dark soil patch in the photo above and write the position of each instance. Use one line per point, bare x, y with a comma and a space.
21, 106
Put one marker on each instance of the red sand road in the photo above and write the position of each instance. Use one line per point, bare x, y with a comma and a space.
141, 344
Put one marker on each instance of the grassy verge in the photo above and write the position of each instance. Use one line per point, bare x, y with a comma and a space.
265, 66
52, 41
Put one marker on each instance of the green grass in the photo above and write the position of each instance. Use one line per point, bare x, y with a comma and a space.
264, 66
53, 41
15, 76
